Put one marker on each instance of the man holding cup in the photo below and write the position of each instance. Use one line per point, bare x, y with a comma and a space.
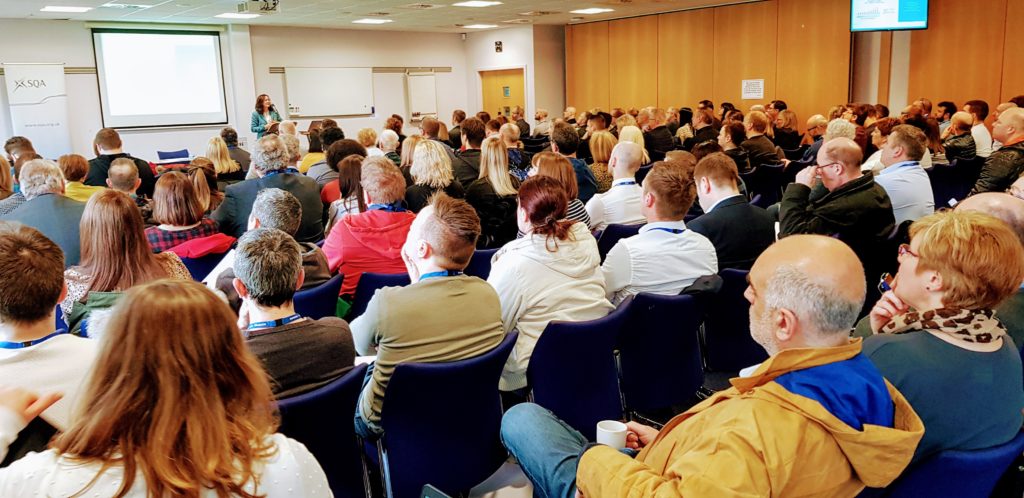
815, 419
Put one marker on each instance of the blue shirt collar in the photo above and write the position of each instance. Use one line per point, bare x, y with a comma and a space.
900, 165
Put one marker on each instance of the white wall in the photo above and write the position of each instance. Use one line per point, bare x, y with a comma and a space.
549, 60
517, 53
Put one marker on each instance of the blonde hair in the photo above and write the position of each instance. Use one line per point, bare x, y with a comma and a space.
601, 145
367, 137
633, 134
431, 165
6, 179
494, 166
217, 153
381, 180
408, 147
979, 257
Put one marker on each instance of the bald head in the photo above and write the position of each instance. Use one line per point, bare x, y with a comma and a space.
962, 120
1006, 207
1009, 125
1004, 106
626, 158
841, 150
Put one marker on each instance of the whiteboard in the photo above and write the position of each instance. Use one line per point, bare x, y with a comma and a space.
421, 89
328, 91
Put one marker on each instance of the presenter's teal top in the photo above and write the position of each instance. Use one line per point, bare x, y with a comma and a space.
258, 123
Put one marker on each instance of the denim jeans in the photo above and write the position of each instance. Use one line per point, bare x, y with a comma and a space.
547, 449
365, 430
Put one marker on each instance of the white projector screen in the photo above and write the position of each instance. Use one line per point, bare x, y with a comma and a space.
888, 15
159, 78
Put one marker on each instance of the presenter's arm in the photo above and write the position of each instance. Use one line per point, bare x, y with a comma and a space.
256, 124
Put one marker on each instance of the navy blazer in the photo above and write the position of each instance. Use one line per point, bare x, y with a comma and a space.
233, 214
57, 217
739, 231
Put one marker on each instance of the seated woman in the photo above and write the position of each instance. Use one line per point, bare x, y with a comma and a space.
493, 195
315, 153
335, 153
350, 191
179, 212
557, 166
227, 169
787, 135
115, 257
154, 419
75, 169
518, 158
367, 137
204, 179
601, 145
553, 273
937, 338
879, 136
407, 148
432, 171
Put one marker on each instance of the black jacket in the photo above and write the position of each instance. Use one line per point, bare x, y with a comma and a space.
99, 166
787, 139
524, 128
467, 166
57, 217
658, 142
1001, 169
700, 136
760, 150
455, 137
497, 214
739, 231
960, 147
418, 196
233, 214
741, 158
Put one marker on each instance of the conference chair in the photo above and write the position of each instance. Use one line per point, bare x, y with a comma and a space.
480, 264
320, 301
442, 424
953, 181
659, 354
795, 154
534, 145
202, 266
572, 370
768, 180
174, 154
726, 341
367, 287
322, 420
611, 235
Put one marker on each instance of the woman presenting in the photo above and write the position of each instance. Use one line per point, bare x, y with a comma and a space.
264, 116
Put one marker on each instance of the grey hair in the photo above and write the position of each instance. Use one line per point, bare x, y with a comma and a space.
270, 154
276, 208
268, 262
40, 176
388, 140
294, 148
822, 308
840, 127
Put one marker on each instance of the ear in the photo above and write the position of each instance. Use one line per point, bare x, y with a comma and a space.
138, 183
302, 279
704, 185
240, 288
786, 325
935, 282
554, 147
649, 199
108, 183
423, 249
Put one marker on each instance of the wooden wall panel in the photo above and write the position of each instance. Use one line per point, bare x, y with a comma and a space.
951, 63
587, 75
813, 56
744, 48
684, 61
1013, 63
633, 62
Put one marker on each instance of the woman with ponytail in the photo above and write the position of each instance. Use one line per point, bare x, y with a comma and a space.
552, 273
204, 178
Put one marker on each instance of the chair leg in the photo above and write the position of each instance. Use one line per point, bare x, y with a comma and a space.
367, 485
385, 469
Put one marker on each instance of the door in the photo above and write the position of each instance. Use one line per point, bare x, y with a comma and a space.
502, 90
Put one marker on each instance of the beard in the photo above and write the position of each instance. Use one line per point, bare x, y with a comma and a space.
761, 331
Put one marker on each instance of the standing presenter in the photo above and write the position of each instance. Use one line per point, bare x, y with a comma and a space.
264, 117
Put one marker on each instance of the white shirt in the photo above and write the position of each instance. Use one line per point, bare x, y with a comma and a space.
909, 189
982, 140
620, 204
58, 364
658, 261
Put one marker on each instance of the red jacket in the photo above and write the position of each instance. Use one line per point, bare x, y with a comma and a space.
367, 242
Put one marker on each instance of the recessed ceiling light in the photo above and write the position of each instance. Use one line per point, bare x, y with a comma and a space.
72, 10
476, 3
236, 15
594, 10
480, 26
371, 21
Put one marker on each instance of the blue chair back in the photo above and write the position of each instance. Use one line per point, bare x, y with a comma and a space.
797, 153
202, 266
322, 420
768, 180
953, 181
480, 263
367, 287
959, 474
611, 235
659, 354
61, 324
320, 301
442, 423
727, 344
572, 371
174, 154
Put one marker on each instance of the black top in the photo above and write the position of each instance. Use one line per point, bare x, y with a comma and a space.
524, 128
467, 166
788, 139
241, 156
232, 215
760, 150
700, 136
304, 355
740, 157
739, 231
418, 196
99, 166
960, 147
658, 142
497, 213
455, 137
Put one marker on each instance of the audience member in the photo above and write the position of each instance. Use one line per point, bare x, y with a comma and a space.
415, 323
787, 135
240, 155
123, 177
978, 109
657, 138
518, 158
484, 117
557, 166
601, 145
622, 203
107, 146
350, 192
564, 141
943, 114
455, 133
543, 128
224, 165
738, 230
432, 172
47, 209
760, 149
597, 121
466, 166
75, 168
569, 115
996, 144
492, 127
879, 136
553, 273
269, 161
388, 144
518, 119
733, 134
338, 151
703, 128
315, 153
17, 146
323, 172
816, 126
367, 137
203, 175
493, 196
957, 140
902, 177
1005, 165
408, 150
632, 134
179, 213
396, 124
372, 241
6, 179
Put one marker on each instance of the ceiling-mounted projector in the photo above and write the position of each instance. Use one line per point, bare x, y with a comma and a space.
263, 7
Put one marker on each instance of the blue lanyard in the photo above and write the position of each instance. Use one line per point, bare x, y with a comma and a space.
391, 208
670, 230
444, 273
274, 323
279, 171
25, 344
628, 182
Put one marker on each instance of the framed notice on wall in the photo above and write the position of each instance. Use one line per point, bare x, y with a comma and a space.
753, 89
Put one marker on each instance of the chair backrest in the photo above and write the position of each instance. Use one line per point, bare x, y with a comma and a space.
367, 287
768, 180
202, 266
953, 181
572, 371
442, 423
727, 345
963, 474
659, 354
173, 154
611, 235
480, 264
320, 301
322, 420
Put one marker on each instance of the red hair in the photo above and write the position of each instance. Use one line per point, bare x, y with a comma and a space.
546, 204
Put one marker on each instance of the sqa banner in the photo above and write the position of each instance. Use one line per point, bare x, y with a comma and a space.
39, 106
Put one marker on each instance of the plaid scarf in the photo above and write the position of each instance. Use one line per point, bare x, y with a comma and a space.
970, 326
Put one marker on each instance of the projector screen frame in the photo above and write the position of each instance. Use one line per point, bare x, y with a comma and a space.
216, 33
927, 17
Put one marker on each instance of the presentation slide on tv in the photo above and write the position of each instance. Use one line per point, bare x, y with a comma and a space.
875, 15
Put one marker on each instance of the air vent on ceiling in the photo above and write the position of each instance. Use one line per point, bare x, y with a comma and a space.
420, 6
517, 21
125, 6
379, 14
538, 13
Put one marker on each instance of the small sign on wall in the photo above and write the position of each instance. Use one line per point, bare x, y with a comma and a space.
753, 89
506, 92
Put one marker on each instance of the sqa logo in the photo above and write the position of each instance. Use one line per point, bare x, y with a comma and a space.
24, 83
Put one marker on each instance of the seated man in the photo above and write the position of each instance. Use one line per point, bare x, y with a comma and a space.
107, 145
815, 400
759, 148
466, 165
298, 353
622, 203
739, 230
902, 176
665, 257
47, 209
657, 139
419, 322
321, 171
371, 241
957, 140
238, 154
278, 209
1005, 165
123, 177
565, 141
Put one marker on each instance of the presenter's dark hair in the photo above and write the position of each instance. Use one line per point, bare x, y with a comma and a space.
259, 102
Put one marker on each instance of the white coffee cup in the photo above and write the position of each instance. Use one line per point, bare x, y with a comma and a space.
612, 433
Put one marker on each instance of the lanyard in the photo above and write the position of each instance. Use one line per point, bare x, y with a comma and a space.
279, 171
670, 230
391, 208
444, 273
25, 344
627, 182
274, 323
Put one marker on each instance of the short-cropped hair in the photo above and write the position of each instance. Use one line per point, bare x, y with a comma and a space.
978, 108
826, 310
230, 136
17, 144
565, 136
270, 154
430, 127
382, 180
40, 176
736, 132
388, 140
329, 135
107, 139
276, 208
719, 169
367, 137
758, 121
31, 274
473, 131
268, 262
74, 166
673, 186
911, 138
291, 142
341, 149
122, 174
451, 228
979, 257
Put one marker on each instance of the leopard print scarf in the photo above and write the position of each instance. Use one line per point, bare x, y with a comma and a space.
971, 326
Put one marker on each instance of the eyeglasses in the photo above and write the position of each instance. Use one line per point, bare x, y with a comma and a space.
1016, 191
820, 166
905, 249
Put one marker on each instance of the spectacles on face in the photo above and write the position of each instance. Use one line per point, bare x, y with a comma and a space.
1016, 191
905, 249
819, 167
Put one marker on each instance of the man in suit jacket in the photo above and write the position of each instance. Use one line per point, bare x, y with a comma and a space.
107, 146
47, 209
517, 117
739, 231
270, 160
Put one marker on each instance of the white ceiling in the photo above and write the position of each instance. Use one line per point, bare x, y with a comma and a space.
408, 15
